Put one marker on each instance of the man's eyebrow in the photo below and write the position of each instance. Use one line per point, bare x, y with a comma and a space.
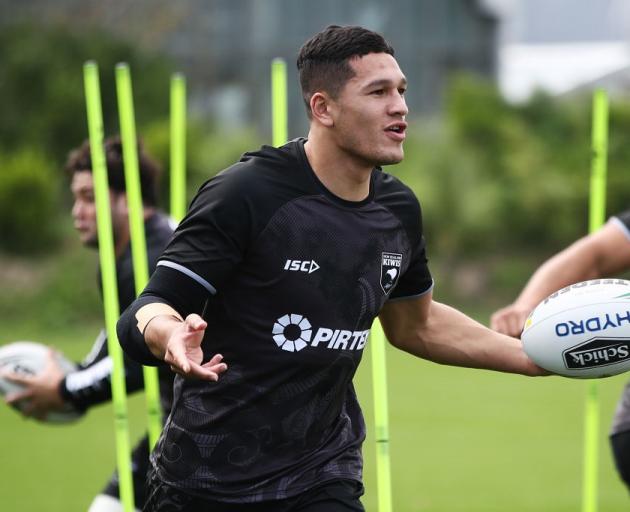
385, 82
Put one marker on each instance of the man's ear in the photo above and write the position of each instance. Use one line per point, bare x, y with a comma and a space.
321, 109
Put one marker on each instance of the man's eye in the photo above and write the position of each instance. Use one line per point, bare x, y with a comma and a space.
402, 91
378, 92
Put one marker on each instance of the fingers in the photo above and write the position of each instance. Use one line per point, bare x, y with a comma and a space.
23, 380
195, 323
177, 357
216, 365
196, 371
208, 371
16, 396
508, 321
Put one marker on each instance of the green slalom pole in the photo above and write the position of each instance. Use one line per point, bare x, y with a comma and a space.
110, 287
279, 102
138, 238
381, 417
178, 146
597, 215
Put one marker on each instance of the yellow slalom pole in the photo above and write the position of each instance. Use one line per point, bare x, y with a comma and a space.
597, 215
178, 146
279, 102
110, 288
138, 238
381, 417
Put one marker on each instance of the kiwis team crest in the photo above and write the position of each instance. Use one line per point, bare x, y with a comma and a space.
391, 263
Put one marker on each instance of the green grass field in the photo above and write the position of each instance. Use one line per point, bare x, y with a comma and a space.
461, 440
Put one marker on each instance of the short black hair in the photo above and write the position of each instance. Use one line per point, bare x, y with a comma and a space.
323, 61
80, 159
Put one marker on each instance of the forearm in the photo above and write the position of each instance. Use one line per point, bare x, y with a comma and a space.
92, 385
570, 266
145, 325
447, 336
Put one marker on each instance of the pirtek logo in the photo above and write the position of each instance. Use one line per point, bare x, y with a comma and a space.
294, 332
301, 266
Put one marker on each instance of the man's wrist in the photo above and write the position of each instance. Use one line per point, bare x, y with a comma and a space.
157, 331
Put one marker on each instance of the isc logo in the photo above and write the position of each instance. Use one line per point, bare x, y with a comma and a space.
301, 266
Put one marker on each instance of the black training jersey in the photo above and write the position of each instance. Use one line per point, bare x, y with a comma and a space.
91, 383
294, 278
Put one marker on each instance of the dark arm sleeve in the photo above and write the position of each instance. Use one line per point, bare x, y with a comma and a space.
91, 383
207, 246
166, 286
623, 220
416, 279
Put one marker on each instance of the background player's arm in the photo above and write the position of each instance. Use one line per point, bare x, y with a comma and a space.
440, 333
89, 385
605, 252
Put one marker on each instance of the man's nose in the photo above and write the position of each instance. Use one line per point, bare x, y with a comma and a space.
399, 105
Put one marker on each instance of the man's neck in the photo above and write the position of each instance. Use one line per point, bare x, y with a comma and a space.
341, 174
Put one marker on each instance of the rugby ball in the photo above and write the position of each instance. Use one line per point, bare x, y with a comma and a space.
28, 358
582, 330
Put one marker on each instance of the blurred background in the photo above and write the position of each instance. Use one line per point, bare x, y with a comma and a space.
498, 152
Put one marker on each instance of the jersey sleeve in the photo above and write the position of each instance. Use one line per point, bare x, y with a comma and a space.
213, 238
622, 220
416, 279
91, 383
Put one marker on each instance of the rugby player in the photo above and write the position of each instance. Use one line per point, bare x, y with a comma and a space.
90, 384
279, 268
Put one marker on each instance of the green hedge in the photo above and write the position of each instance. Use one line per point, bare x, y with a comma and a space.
29, 202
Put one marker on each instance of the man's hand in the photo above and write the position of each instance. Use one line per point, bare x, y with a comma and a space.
41, 391
510, 320
183, 351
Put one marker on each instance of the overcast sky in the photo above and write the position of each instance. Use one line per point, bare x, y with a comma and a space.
553, 21
557, 45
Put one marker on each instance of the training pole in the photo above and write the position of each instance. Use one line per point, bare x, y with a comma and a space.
136, 228
279, 102
381, 417
178, 146
597, 215
110, 287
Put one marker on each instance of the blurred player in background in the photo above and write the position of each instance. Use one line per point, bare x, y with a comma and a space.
90, 384
603, 253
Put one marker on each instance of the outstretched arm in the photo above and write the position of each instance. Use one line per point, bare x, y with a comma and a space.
440, 333
605, 252
164, 326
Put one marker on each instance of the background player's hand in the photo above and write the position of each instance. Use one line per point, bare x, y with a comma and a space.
510, 320
41, 391
184, 354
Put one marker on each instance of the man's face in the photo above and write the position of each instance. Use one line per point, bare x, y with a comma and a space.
84, 208
369, 113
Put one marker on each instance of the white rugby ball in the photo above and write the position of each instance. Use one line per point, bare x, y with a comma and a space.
583, 330
29, 358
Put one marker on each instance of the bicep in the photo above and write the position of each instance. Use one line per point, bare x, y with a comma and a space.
612, 249
404, 319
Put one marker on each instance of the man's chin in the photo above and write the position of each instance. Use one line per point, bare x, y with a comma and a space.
91, 242
391, 159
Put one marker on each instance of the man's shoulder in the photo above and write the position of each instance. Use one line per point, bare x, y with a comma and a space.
265, 162
259, 173
393, 193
